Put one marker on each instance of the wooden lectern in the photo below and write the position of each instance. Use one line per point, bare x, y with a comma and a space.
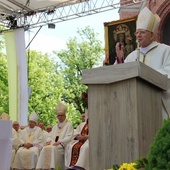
124, 112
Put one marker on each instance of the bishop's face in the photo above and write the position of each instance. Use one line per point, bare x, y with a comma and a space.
144, 37
32, 124
61, 117
16, 126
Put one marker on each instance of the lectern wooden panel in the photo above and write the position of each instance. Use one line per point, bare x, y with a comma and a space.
5, 144
124, 112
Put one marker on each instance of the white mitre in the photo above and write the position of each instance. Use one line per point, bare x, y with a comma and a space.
147, 20
4, 116
61, 108
33, 117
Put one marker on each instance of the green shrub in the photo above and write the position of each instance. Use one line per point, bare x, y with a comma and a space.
159, 152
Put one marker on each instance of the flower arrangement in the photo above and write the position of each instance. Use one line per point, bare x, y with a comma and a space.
124, 166
138, 164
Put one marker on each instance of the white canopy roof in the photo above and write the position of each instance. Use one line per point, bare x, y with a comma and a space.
35, 13
24, 6
12, 11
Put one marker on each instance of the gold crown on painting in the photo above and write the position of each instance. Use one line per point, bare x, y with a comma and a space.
121, 29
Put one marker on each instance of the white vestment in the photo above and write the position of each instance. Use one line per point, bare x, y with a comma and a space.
53, 156
18, 137
83, 157
14, 145
158, 58
46, 135
27, 158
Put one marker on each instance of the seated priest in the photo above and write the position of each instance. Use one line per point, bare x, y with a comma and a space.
52, 154
45, 133
49, 128
77, 151
31, 141
15, 143
16, 126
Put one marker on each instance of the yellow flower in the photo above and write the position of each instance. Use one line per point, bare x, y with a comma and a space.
126, 166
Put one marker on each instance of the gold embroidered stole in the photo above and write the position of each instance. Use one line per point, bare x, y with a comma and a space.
76, 148
30, 135
58, 130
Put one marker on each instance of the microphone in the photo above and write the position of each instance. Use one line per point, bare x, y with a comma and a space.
138, 54
56, 139
137, 41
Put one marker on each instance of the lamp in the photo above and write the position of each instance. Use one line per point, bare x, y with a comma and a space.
12, 22
51, 26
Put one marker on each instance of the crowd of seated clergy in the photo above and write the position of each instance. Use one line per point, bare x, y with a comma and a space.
35, 148
18, 133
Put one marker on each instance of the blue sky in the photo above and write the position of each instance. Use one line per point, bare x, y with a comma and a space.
48, 40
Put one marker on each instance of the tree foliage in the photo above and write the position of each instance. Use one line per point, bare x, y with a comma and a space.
2, 43
56, 80
46, 87
83, 53
4, 97
4, 106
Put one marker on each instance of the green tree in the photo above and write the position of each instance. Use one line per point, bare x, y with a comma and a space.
47, 89
57, 80
82, 52
46, 85
3, 78
4, 104
2, 42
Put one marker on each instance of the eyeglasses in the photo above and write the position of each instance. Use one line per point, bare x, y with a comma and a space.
60, 115
142, 32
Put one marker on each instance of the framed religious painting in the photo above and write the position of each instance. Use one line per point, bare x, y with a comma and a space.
122, 31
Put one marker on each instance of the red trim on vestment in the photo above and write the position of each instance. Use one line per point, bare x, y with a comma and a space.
76, 148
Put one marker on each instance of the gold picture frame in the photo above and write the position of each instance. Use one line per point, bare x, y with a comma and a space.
113, 30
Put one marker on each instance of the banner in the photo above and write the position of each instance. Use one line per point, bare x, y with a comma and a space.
17, 75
